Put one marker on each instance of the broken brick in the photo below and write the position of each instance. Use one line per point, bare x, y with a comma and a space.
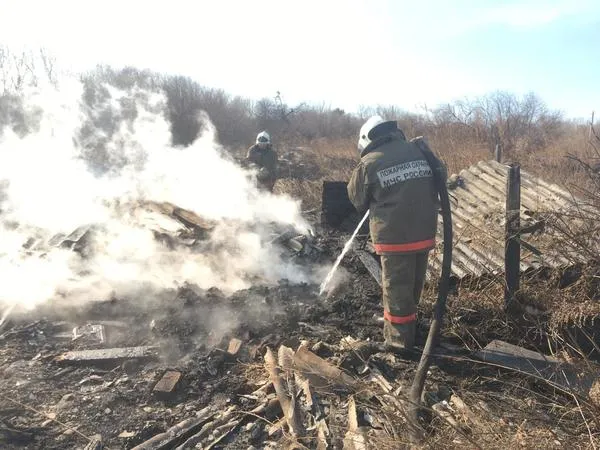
126, 434
168, 382
234, 346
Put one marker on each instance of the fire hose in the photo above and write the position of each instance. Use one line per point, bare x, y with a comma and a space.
443, 287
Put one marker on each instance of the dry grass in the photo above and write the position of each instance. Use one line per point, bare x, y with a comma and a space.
336, 159
310, 165
555, 311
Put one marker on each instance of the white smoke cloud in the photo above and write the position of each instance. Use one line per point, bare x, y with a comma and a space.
70, 162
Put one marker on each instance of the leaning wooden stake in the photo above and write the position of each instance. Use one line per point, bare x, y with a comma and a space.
512, 248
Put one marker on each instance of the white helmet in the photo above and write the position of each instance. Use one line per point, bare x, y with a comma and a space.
263, 138
366, 131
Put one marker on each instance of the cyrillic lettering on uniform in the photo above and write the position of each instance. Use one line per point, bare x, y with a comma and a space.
401, 172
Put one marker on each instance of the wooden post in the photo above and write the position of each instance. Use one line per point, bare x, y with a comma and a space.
512, 248
498, 153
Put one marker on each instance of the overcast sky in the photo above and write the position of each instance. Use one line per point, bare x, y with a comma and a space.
344, 53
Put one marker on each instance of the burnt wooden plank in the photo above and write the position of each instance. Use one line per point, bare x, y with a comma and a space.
321, 373
108, 355
179, 432
563, 375
370, 263
191, 219
515, 357
77, 234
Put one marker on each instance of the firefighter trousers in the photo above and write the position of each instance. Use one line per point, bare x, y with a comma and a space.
403, 278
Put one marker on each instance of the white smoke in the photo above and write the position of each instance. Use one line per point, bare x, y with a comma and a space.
66, 163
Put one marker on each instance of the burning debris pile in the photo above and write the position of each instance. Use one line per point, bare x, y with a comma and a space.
98, 208
265, 367
144, 367
94, 165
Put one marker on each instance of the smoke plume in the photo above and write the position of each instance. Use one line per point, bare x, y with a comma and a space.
93, 155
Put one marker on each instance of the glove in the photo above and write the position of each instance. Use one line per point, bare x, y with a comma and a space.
263, 174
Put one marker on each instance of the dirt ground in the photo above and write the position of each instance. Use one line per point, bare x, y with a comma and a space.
52, 404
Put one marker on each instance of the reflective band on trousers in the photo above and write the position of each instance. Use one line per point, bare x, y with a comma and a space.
399, 320
410, 247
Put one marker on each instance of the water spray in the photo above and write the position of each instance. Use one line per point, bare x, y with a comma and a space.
347, 246
5, 315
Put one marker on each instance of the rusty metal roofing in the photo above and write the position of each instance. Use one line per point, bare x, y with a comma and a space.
478, 200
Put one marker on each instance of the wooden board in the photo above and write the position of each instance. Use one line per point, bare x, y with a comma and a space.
108, 355
567, 376
370, 263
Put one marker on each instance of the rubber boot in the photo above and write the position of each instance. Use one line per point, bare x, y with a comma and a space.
401, 337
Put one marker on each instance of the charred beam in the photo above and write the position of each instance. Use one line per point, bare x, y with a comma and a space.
107, 355
178, 433
370, 263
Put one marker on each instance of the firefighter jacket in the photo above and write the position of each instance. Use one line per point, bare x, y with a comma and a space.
394, 181
266, 161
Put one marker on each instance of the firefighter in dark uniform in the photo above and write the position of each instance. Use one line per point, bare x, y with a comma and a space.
394, 181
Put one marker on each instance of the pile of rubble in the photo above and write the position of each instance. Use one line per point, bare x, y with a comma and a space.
269, 367
266, 367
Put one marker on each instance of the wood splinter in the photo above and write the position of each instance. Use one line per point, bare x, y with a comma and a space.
288, 403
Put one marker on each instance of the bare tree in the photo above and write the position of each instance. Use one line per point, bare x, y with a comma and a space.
183, 98
25, 68
501, 118
49, 64
4, 68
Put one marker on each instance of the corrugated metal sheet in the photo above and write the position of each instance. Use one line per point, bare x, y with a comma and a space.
478, 208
